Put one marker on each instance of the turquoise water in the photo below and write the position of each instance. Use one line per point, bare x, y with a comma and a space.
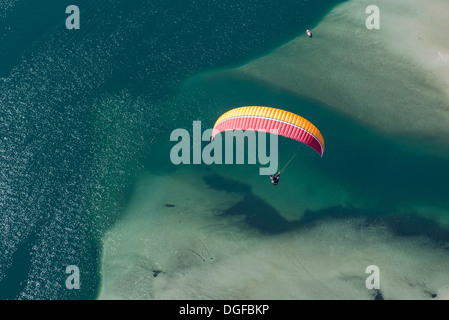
82, 111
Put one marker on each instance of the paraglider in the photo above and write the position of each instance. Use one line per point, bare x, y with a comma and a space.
275, 179
283, 123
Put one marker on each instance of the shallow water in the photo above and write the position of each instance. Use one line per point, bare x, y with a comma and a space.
206, 229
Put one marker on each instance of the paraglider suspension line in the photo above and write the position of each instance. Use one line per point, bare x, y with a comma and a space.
290, 160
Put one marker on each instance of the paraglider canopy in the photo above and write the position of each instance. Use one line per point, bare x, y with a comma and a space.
284, 123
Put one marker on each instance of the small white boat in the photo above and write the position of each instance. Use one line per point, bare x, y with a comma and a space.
309, 33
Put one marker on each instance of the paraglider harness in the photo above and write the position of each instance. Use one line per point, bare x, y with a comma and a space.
275, 178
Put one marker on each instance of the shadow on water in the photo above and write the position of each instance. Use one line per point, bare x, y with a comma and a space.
267, 219
218, 182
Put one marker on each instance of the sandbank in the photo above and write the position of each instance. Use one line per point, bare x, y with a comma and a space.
179, 245
394, 79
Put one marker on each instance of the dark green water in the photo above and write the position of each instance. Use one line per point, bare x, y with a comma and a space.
81, 110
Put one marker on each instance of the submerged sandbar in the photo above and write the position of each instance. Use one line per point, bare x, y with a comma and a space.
395, 79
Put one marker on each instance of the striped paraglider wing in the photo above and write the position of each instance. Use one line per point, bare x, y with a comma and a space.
284, 123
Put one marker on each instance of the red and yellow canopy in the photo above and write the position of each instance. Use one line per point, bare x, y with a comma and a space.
267, 119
